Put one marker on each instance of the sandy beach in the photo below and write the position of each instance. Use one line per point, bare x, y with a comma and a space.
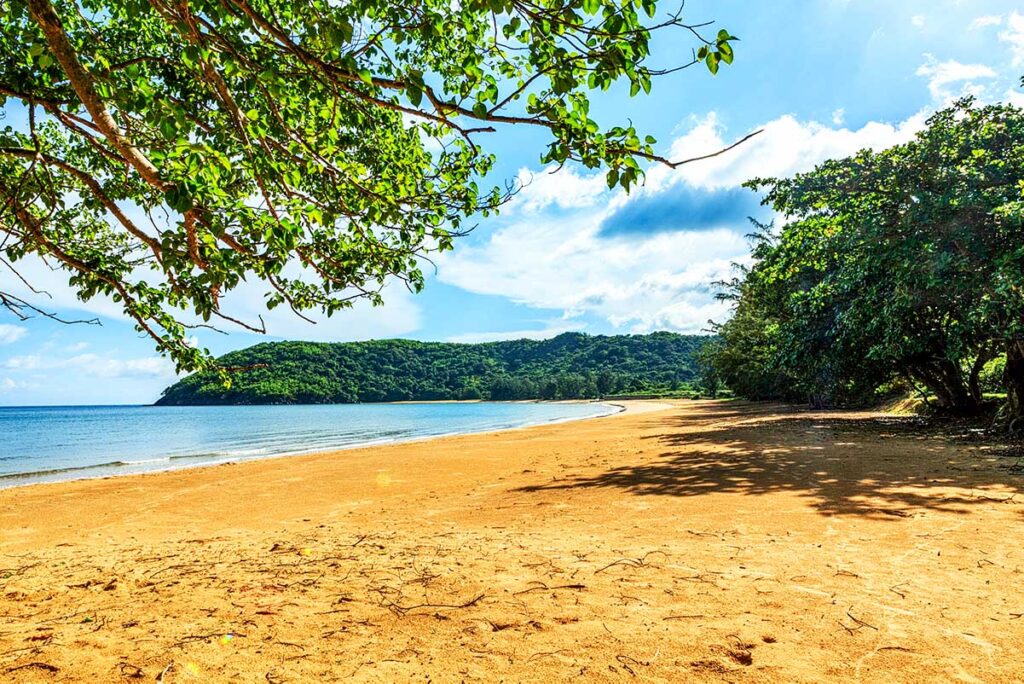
683, 541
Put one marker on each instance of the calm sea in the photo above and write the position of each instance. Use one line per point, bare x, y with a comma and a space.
43, 444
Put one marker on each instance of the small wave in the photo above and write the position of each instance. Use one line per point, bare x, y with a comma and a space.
225, 454
58, 471
114, 465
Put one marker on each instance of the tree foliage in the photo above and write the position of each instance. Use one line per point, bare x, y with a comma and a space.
570, 366
164, 151
901, 264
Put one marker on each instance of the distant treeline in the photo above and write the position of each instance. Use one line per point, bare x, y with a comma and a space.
900, 270
570, 366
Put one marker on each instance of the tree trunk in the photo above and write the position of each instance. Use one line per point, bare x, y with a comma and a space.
1013, 377
961, 400
946, 380
819, 401
974, 383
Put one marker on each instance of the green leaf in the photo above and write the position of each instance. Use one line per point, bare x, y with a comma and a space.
612, 177
414, 93
712, 62
179, 199
725, 53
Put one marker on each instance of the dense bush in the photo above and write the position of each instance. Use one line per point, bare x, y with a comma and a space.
904, 264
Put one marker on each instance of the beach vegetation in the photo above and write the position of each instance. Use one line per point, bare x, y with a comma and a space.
897, 269
164, 154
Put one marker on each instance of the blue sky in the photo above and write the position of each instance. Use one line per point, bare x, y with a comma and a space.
823, 79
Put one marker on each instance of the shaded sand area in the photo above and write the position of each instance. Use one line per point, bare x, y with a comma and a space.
699, 542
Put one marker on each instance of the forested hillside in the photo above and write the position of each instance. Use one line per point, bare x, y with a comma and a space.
572, 365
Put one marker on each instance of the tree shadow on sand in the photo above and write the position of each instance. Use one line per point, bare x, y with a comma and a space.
844, 463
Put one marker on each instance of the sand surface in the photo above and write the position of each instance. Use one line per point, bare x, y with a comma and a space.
703, 541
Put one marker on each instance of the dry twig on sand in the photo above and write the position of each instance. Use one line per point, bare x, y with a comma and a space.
860, 623
630, 562
543, 587
403, 610
34, 665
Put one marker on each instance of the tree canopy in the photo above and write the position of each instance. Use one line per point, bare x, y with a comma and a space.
905, 264
164, 151
569, 366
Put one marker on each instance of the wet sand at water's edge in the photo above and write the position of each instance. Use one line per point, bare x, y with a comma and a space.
700, 541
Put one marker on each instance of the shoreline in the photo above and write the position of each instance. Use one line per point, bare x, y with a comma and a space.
40, 478
708, 541
360, 403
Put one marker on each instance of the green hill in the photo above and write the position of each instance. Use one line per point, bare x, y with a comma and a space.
572, 365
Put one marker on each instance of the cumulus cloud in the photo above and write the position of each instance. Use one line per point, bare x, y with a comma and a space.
648, 261
52, 289
94, 365
563, 188
106, 367
10, 334
985, 21
1014, 36
917, 20
1014, 97
28, 362
786, 146
546, 333
943, 76
399, 315
571, 267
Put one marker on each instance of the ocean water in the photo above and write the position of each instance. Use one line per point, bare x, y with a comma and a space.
44, 444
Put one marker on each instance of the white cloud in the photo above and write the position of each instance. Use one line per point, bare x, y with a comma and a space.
563, 188
8, 384
1014, 35
53, 290
29, 362
917, 20
538, 334
838, 116
95, 366
400, 314
10, 334
942, 75
786, 146
630, 281
106, 367
1014, 97
643, 281
985, 21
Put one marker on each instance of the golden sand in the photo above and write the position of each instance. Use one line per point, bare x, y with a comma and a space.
704, 541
